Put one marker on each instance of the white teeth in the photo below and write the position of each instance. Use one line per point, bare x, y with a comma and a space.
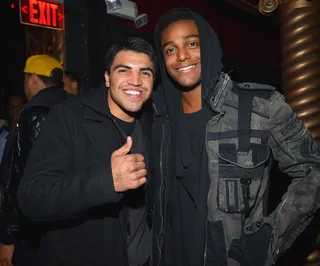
185, 68
133, 92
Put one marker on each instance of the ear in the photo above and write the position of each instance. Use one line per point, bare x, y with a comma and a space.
34, 78
74, 84
107, 79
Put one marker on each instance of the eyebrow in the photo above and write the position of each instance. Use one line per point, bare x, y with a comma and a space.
185, 38
128, 67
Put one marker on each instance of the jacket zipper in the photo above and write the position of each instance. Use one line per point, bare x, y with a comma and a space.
277, 250
160, 198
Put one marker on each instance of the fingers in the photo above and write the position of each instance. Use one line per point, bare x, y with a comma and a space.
137, 166
138, 183
139, 174
125, 149
6, 262
128, 170
136, 157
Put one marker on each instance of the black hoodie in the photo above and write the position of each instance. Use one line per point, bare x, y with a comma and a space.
189, 183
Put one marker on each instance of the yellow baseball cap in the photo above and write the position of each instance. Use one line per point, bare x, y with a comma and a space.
41, 65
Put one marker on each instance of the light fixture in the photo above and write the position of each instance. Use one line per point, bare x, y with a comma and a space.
113, 5
128, 10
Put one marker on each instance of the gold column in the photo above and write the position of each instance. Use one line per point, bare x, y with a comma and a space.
45, 41
300, 45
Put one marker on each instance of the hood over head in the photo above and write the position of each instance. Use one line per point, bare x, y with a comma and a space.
211, 55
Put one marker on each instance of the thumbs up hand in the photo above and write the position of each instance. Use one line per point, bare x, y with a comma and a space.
128, 170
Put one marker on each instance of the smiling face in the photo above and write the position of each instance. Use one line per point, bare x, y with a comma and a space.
130, 83
181, 49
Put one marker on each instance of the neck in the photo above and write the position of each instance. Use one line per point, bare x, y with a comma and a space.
191, 100
35, 92
116, 111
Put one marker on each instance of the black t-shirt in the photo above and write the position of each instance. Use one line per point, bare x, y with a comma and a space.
192, 167
138, 232
126, 127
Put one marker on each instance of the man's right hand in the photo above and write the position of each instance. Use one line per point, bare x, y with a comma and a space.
128, 170
6, 254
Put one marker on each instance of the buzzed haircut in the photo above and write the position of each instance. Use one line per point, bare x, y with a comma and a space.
134, 44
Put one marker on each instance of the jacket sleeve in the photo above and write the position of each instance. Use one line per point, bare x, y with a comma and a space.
298, 155
9, 221
30, 124
51, 189
6, 158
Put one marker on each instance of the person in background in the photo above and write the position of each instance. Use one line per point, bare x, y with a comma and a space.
71, 82
214, 142
4, 132
43, 89
7, 126
14, 105
89, 172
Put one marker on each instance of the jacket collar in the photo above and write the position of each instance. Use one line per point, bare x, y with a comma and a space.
96, 101
223, 85
48, 97
216, 101
159, 102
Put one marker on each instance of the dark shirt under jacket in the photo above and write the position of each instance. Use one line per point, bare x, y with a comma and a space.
138, 232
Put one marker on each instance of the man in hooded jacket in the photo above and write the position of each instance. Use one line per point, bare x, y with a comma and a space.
92, 193
215, 140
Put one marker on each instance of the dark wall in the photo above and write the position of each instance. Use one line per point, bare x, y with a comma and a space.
76, 38
103, 31
244, 55
12, 47
245, 37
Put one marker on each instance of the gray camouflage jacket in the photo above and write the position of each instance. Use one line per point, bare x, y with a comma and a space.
239, 180
276, 133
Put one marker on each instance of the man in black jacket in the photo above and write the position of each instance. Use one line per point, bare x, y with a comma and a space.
42, 87
88, 174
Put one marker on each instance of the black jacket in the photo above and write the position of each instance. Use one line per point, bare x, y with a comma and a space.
30, 122
68, 184
180, 203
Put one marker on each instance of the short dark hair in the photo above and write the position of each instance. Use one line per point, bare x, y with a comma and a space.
46, 80
134, 44
173, 16
17, 95
73, 76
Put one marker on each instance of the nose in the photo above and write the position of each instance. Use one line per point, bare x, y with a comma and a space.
135, 79
183, 55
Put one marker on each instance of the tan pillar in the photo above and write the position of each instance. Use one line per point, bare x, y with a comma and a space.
300, 47
45, 41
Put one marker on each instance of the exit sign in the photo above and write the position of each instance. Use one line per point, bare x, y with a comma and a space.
47, 14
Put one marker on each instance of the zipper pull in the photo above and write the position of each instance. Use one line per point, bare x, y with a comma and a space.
245, 193
128, 229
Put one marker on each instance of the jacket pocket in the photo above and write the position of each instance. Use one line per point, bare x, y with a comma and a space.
240, 176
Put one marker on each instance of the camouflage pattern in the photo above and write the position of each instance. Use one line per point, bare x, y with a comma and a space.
276, 133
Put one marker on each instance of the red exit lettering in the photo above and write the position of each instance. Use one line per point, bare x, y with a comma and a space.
43, 13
